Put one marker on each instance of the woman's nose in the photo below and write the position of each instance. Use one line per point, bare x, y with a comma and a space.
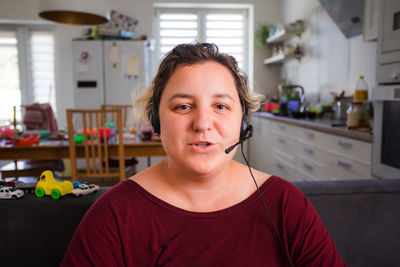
202, 120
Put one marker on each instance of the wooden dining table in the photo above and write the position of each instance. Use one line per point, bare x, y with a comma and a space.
58, 149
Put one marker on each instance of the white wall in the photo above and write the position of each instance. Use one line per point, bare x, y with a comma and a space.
265, 12
331, 62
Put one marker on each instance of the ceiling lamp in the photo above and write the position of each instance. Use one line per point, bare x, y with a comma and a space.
77, 12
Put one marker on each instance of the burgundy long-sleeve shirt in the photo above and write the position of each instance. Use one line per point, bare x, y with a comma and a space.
128, 226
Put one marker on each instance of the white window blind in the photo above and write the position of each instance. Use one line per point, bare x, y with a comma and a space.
42, 67
10, 93
26, 68
226, 27
177, 28
227, 30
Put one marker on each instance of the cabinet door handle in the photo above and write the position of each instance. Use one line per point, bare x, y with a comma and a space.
344, 164
345, 144
280, 166
281, 140
307, 166
309, 151
308, 134
282, 127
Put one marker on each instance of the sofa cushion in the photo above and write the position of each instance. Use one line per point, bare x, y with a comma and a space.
362, 217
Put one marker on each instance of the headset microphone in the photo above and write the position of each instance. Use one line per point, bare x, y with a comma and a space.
249, 133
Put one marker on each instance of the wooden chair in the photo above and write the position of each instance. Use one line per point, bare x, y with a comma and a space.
126, 119
126, 113
95, 143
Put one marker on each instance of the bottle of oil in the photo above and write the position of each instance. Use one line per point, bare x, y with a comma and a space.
361, 90
357, 111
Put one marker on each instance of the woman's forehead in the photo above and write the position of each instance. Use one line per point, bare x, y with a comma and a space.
208, 79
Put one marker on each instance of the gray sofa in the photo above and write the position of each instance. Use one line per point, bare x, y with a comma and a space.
362, 216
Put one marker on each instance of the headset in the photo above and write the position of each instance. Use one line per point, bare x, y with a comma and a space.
246, 131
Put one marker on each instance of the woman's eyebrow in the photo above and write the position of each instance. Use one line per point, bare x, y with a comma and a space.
184, 95
224, 96
179, 95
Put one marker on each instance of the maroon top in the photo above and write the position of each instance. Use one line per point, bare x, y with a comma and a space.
128, 226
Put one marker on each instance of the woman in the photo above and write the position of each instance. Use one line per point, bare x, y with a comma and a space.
198, 207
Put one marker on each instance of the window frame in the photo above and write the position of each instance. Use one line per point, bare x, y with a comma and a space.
201, 9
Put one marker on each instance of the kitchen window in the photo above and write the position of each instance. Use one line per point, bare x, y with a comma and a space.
26, 68
227, 25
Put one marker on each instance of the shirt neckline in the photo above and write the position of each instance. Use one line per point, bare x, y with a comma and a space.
253, 197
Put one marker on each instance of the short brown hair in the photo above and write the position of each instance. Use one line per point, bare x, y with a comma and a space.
189, 54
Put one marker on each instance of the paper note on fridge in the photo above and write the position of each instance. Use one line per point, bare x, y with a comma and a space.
132, 66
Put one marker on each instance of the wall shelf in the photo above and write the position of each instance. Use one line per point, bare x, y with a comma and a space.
281, 58
284, 35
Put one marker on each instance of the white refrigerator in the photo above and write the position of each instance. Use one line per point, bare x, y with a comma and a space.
109, 72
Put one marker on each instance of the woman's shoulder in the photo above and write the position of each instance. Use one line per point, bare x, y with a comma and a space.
282, 190
124, 192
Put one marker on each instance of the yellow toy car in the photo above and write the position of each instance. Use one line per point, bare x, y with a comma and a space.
47, 185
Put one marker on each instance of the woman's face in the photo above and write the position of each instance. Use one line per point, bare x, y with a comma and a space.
200, 116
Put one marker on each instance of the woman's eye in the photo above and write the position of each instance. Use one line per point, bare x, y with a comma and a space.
182, 107
221, 106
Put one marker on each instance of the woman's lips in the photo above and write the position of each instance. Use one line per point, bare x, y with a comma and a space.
202, 147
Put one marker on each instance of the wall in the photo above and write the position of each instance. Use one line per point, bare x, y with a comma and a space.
265, 12
331, 62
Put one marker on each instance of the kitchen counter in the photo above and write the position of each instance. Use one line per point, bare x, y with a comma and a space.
319, 125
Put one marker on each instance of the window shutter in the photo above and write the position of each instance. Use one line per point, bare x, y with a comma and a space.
176, 28
10, 93
41, 57
226, 27
227, 30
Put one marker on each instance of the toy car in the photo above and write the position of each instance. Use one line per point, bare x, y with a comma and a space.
10, 193
47, 185
84, 189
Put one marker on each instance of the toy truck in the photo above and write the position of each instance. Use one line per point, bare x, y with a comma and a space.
26, 187
47, 185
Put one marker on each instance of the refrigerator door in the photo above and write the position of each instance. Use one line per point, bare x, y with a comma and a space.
125, 70
88, 74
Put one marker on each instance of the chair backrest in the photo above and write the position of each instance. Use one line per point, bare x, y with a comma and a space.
95, 143
126, 113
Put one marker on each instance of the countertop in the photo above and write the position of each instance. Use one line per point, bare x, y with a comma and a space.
319, 125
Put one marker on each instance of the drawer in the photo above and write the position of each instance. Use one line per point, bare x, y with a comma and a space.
286, 147
339, 167
283, 169
348, 147
310, 152
311, 136
284, 129
311, 168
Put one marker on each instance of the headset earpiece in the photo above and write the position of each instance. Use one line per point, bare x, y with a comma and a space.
246, 130
155, 119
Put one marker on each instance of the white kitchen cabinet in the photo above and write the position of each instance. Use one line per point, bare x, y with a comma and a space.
260, 145
298, 153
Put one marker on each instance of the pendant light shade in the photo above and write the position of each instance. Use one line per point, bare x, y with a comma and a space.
77, 12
